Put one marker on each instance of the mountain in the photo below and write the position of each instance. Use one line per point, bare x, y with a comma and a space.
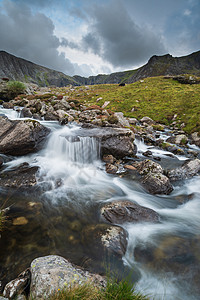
16, 68
156, 66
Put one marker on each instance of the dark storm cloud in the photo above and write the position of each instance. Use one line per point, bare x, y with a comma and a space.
31, 37
117, 38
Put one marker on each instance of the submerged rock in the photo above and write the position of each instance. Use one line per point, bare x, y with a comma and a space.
120, 212
101, 237
187, 170
51, 273
21, 137
23, 176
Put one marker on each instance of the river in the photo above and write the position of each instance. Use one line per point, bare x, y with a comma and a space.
163, 259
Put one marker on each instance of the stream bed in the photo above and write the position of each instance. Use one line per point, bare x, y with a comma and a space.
61, 215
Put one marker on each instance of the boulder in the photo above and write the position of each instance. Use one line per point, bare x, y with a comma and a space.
147, 120
157, 183
8, 105
120, 212
51, 273
115, 141
153, 179
121, 119
187, 170
101, 237
20, 137
180, 139
26, 113
195, 139
148, 166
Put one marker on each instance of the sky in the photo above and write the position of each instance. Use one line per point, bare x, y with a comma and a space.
90, 37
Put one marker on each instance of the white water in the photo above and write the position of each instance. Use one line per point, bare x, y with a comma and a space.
72, 172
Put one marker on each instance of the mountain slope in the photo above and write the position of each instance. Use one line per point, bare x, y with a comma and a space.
156, 66
16, 68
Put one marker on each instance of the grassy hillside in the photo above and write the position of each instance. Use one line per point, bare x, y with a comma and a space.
156, 97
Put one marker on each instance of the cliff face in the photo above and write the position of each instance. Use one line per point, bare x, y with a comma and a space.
16, 68
20, 69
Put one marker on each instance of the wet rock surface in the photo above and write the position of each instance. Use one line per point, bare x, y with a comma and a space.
157, 183
120, 212
21, 137
22, 176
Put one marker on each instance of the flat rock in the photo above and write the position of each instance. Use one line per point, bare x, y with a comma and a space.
20, 137
120, 212
50, 273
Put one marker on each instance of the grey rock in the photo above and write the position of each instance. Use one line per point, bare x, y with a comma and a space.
187, 170
53, 272
148, 166
121, 119
21, 137
147, 120
195, 138
180, 139
26, 113
157, 183
120, 212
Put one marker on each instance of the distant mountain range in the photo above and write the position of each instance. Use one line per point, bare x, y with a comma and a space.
16, 68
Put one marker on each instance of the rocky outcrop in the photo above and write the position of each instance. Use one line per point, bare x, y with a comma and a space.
187, 170
21, 137
52, 273
120, 212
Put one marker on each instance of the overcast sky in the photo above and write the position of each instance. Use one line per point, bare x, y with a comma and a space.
88, 37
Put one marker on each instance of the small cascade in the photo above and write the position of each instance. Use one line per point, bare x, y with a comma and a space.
72, 148
10, 113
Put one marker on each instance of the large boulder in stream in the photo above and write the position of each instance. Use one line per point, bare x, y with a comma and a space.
115, 141
153, 179
51, 273
20, 137
187, 170
120, 212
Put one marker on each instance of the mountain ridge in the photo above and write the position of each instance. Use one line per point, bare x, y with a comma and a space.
16, 68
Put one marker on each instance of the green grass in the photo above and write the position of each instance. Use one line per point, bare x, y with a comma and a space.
114, 290
156, 97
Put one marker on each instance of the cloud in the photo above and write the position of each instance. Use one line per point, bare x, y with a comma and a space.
31, 36
117, 38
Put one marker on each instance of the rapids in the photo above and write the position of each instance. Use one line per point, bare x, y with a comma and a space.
163, 259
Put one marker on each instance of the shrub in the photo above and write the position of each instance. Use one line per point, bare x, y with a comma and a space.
15, 88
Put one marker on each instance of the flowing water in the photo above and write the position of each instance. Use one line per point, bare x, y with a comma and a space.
61, 216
